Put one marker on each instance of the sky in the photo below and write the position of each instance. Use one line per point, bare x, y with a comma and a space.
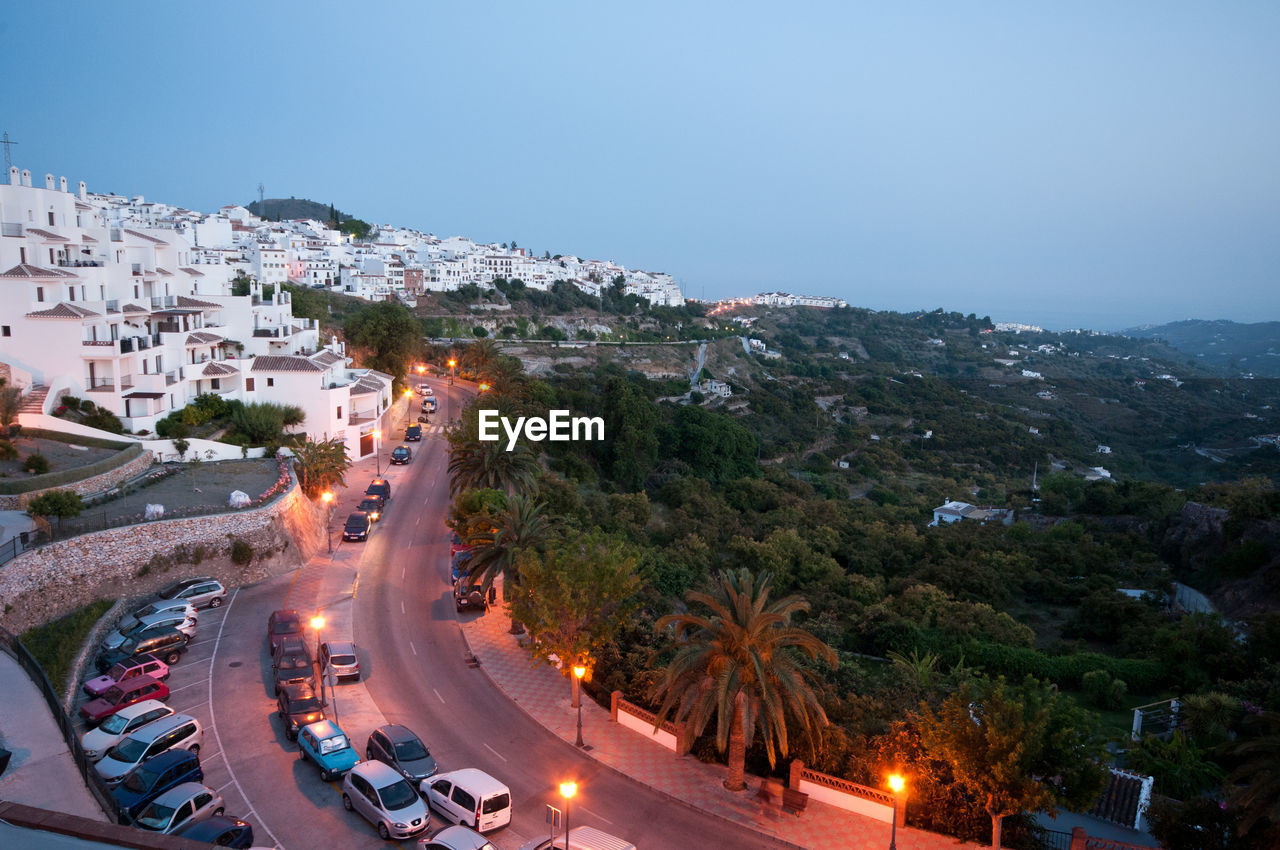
1092, 164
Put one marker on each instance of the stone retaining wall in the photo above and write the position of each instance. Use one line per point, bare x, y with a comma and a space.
85, 486
50, 582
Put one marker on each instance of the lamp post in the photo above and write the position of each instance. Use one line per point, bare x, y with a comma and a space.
317, 623
579, 670
895, 783
377, 438
327, 498
567, 790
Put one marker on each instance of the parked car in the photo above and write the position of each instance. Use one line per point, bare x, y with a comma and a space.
459, 565
167, 644
152, 778
160, 606
297, 705
324, 743
413, 434
372, 507
177, 731
131, 627
467, 596
120, 696
178, 807
457, 544
580, 838
469, 797
292, 663
401, 455
398, 747
425, 389
281, 624
201, 591
357, 526
458, 838
429, 406
385, 799
142, 665
124, 722
340, 657
218, 830
379, 487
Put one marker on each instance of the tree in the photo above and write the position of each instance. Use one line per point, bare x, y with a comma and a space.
716, 446
735, 665
487, 463
10, 405
1255, 783
320, 465
575, 595
386, 334
521, 525
62, 504
630, 449
1016, 749
263, 422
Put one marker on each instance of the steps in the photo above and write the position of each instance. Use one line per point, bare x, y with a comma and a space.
33, 402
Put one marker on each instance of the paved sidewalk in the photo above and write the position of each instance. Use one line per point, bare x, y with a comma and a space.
544, 693
41, 772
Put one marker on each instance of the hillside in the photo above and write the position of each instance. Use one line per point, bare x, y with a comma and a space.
1230, 346
280, 209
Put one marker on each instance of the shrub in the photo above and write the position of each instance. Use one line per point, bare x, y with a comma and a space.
8, 451
105, 420
36, 464
56, 644
70, 401
87, 406
241, 552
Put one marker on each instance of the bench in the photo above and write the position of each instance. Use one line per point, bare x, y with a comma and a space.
794, 801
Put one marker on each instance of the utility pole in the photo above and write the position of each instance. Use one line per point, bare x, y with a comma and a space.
262, 205
8, 161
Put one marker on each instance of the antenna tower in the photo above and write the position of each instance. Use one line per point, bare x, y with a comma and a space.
8, 162
262, 207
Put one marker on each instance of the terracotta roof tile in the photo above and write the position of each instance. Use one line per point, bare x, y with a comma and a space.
284, 363
326, 357
63, 311
164, 272
202, 338
47, 234
1119, 800
184, 301
133, 308
215, 369
26, 270
141, 235
191, 272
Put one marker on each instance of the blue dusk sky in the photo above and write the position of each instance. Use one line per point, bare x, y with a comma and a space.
1087, 164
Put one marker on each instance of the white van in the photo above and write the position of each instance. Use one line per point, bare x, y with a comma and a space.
469, 797
581, 838
177, 731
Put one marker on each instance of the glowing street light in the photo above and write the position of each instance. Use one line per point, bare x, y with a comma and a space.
484, 387
567, 790
579, 670
317, 623
896, 783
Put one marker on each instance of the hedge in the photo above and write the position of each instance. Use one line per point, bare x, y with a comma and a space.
75, 439
69, 476
1068, 671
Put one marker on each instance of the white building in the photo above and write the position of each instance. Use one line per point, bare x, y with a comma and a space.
956, 511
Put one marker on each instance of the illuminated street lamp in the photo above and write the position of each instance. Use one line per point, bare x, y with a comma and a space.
327, 498
317, 623
895, 783
567, 790
484, 387
579, 671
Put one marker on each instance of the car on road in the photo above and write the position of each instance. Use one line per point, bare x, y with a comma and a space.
401, 455
96, 742
218, 830
467, 596
131, 627
152, 778
281, 624
379, 487
469, 797
357, 526
168, 645
137, 689
177, 731
429, 405
292, 663
143, 665
324, 743
178, 807
581, 838
200, 591
413, 434
404, 751
425, 390
372, 507
339, 656
297, 705
385, 799
458, 838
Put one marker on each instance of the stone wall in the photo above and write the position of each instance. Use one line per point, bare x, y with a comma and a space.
85, 486
50, 582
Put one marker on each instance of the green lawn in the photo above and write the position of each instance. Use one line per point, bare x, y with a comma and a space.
55, 645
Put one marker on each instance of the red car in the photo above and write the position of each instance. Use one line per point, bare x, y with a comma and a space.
120, 696
282, 624
143, 665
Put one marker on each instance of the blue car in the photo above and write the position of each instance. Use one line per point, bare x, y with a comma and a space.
324, 743
152, 778
219, 830
460, 565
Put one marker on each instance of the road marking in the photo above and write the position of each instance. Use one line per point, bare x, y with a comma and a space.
402, 569
402, 611
489, 748
437, 693
218, 739
583, 808
419, 520
355, 585
414, 648
184, 687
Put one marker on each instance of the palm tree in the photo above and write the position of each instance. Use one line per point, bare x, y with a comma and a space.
487, 463
1255, 783
734, 665
522, 525
320, 465
479, 356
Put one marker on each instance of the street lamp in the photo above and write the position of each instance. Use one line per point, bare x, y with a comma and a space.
317, 623
579, 671
484, 387
895, 782
377, 438
567, 790
327, 498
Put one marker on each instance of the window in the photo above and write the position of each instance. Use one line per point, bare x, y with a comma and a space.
4, 330
216, 383
339, 412
271, 382
51, 219
248, 385
22, 255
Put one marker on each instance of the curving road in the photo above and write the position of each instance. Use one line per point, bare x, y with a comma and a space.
411, 652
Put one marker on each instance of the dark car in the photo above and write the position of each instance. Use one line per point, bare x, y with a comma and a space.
168, 645
357, 526
292, 663
297, 705
152, 778
413, 434
281, 624
371, 505
399, 747
467, 596
220, 831
401, 454
379, 487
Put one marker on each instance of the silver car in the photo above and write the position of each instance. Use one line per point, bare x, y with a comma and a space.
183, 620
339, 656
385, 799
179, 806
201, 591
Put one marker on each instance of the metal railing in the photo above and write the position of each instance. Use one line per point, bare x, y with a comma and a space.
15, 546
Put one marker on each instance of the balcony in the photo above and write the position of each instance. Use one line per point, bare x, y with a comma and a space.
362, 417
275, 333
11, 229
108, 385
78, 264
159, 302
99, 343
